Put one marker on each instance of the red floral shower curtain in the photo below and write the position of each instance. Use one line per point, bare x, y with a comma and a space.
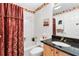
11, 30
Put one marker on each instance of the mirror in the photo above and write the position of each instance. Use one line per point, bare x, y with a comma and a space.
67, 19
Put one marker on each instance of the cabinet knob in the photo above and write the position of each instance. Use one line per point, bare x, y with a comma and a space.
56, 52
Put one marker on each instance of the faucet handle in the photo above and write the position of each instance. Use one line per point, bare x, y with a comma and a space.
65, 40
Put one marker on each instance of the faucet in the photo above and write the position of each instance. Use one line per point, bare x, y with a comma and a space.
62, 39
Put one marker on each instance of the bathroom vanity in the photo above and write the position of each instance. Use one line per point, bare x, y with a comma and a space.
51, 51
69, 46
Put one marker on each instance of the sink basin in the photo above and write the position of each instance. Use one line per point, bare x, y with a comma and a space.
61, 44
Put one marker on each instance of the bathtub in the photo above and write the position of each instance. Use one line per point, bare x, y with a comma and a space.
28, 48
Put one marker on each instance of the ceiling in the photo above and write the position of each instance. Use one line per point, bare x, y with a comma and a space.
29, 6
34, 6
64, 6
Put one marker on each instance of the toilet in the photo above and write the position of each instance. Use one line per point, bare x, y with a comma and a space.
37, 51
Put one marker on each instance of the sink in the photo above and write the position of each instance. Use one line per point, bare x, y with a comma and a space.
61, 44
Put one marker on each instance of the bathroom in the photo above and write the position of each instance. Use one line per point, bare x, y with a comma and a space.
34, 24
63, 13
40, 32
39, 29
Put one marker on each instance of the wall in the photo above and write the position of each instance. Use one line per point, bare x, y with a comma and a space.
69, 23
28, 29
40, 16
33, 25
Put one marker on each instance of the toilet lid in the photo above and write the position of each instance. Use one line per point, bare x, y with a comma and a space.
36, 50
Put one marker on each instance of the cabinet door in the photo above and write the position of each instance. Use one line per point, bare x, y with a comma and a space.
47, 51
60, 53
50, 51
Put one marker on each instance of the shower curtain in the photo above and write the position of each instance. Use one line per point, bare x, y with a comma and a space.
11, 30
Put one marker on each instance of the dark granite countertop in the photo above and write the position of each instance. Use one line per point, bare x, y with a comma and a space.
73, 50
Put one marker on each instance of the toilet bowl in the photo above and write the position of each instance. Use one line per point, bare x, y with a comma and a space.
37, 51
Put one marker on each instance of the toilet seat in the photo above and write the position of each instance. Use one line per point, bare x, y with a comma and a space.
36, 50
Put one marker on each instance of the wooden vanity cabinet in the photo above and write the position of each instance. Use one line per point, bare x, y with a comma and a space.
60, 53
47, 51
50, 51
